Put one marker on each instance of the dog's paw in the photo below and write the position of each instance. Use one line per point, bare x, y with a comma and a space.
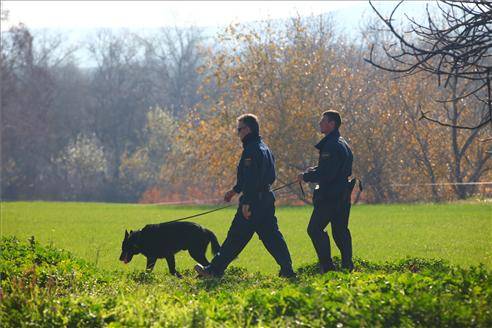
178, 275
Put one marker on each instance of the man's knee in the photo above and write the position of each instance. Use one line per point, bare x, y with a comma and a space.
238, 228
233, 233
314, 231
267, 234
341, 234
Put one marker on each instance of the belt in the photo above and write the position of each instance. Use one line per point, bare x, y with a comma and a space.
266, 188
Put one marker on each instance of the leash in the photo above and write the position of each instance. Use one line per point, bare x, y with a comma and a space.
200, 214
226, 206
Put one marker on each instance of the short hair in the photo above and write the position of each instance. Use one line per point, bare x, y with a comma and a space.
251, 121
333, 115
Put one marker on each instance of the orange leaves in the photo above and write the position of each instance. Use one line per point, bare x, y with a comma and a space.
288, 76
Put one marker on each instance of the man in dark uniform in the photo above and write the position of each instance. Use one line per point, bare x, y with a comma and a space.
256, 210
331, 198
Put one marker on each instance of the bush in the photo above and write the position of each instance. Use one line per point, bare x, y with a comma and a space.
48, 287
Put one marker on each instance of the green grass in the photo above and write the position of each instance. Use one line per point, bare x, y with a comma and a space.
417, 266
460, 233
48, 287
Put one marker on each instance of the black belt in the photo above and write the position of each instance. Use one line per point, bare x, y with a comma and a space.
266, 188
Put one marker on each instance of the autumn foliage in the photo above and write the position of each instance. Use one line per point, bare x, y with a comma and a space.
288, 75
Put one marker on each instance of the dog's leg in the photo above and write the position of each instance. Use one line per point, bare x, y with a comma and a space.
150, 263
171, 263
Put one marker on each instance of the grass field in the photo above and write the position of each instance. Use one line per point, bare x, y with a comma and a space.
400, 280
458, 233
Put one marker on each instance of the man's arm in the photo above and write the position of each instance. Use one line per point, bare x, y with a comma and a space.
236, 189
327, 168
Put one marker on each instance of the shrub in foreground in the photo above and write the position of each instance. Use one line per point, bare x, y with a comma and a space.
48, 287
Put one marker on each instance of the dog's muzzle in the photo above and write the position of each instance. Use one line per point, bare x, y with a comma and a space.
124, 258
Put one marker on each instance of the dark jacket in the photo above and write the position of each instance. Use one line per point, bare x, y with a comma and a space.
256, 169
334, 166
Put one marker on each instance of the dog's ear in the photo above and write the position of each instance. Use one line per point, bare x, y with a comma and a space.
126, 234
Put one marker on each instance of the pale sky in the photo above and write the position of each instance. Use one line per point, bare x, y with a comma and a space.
133, 14
76, 19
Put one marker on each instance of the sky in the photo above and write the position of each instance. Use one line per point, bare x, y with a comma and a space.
132, 14
147, 14
77, 21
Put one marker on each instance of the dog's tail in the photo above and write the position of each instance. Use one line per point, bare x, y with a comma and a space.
214, 242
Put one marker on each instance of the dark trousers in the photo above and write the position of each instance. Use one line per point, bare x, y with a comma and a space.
264, 223
337, 213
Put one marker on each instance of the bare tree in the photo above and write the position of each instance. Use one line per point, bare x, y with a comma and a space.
119, 87
457, 45
27, 94
175, 55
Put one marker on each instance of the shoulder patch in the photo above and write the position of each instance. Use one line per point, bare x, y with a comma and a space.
248, 161
325, 155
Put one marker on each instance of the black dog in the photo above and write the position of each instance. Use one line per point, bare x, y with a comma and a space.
163, 240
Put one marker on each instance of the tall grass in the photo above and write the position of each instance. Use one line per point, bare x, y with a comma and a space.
48, 287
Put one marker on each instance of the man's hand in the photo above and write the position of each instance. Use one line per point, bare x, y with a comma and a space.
246, 211
228, 195
300, 177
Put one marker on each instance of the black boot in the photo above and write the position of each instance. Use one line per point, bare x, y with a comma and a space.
327, 267
348, 266
287, 273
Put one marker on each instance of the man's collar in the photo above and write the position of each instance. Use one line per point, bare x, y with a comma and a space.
333, 135
250, 137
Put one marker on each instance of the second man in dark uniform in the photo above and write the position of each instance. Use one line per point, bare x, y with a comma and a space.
331, 198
